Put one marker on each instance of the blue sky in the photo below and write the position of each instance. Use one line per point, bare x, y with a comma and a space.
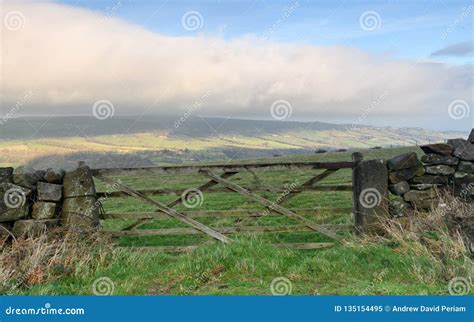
408, 29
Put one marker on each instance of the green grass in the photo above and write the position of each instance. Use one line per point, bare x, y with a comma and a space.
249, 265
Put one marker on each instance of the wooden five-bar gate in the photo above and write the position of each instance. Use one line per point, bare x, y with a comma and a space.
220, 180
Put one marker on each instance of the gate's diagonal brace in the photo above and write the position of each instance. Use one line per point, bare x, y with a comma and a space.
167, 210
178, 200
272, 205
292, 194
207, 185
308, 183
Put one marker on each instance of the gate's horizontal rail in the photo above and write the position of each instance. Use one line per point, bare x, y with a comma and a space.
159, 192
223, 230
181, 249
221, 213
223, 168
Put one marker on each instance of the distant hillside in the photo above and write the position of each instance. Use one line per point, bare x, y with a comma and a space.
149, 140
29, 127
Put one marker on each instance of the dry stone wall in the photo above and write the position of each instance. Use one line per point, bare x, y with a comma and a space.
417, 182
34, 201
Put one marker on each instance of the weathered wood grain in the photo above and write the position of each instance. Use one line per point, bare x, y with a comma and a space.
222, 168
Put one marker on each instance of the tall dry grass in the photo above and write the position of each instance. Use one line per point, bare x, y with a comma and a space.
444, 235
34, 260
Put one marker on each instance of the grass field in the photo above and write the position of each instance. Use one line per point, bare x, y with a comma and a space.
250, 264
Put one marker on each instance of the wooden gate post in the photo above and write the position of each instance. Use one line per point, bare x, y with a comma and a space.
370, 193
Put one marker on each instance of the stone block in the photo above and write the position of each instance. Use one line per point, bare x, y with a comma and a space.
455, 143
81, 212
403, 161
465, 152
420, 170
436, 159
27, 177
54, 176
14, 202
430, 179
33, 228
424, 204
402, 175
438, 148
471, 136
443, 170
79, 183
6, 175
418, 195
399, 188
465, 166
422, 186
464, 185
49, 191
399, 208
44, 210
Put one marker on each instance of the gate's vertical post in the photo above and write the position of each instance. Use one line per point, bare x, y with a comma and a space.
357, 157
370, 195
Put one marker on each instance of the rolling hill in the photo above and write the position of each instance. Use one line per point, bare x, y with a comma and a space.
146, 140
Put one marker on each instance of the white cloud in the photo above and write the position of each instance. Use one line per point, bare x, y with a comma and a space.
71, 57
